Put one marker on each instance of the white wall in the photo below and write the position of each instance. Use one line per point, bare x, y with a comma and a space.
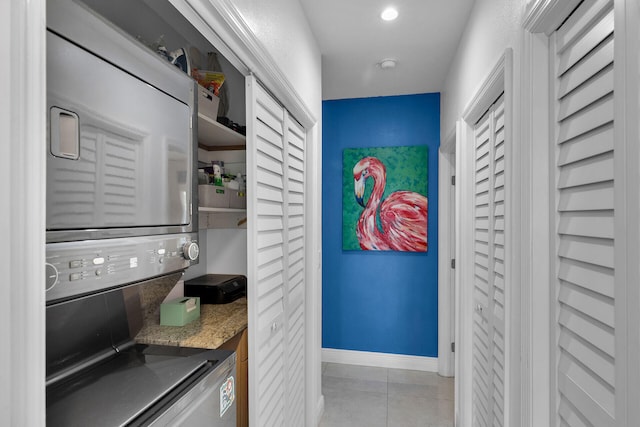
223, 247
493, 26
282, 28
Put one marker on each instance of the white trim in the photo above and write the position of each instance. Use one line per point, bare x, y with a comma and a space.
446, 252
380, 360
22, 224
628, 27
449, 142
492, 86
464, 274
513, 369
203, 20
545, 16
622, 221
534, 164
313, 272
627, 209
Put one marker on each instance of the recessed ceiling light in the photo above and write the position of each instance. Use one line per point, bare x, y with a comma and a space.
389, 14
386, 64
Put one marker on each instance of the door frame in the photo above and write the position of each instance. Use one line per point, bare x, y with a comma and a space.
23, 132
446, 253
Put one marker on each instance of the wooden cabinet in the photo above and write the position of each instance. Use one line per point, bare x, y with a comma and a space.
239, 345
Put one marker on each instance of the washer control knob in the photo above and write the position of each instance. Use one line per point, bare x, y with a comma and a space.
191, 251
51, 276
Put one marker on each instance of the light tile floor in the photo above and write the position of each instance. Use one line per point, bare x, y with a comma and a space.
362, 396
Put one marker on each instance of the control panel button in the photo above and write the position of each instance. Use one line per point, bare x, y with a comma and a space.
161, 260
161, 251
75, 276
98, 261
99, 272
75, 264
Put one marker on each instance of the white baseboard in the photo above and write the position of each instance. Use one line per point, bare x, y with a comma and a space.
380, 360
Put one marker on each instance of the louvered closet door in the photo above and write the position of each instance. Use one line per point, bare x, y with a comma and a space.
266, 257
584, 327
497, 295
481, 351
275, 245
295, 368
489, 268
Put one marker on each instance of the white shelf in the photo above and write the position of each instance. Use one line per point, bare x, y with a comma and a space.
215, 136
221, 210
227, 218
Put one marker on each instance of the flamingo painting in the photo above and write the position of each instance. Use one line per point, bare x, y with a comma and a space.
402, 214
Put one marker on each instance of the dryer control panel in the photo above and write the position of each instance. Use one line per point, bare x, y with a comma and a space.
79, 268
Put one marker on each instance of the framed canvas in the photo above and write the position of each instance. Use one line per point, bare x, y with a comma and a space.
384, 199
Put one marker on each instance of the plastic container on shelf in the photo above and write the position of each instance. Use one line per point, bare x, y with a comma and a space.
237, 200
208, 103
213, 196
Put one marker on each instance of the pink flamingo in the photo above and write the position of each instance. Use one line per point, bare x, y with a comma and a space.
403, 214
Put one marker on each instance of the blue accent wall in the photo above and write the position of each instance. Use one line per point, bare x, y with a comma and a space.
385, 302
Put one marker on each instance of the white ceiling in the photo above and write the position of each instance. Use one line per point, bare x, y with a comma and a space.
353, 39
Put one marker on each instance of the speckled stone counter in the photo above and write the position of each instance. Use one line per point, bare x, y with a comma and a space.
217, 323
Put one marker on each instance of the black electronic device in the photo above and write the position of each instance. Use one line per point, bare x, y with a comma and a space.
216, 288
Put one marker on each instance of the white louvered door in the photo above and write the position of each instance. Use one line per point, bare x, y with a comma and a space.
497, 296
489, 268
481, 351
295, 296
584, 328
275, 241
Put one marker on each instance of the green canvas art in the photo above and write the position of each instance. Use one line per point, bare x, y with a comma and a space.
384, 199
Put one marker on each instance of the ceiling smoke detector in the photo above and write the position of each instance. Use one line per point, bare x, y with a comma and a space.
387, 64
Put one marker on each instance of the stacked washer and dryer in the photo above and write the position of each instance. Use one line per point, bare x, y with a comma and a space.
121, 212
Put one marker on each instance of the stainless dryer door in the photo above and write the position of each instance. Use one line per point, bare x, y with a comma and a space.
120, 150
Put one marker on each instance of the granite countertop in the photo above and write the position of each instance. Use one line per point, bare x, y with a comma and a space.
217, 324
